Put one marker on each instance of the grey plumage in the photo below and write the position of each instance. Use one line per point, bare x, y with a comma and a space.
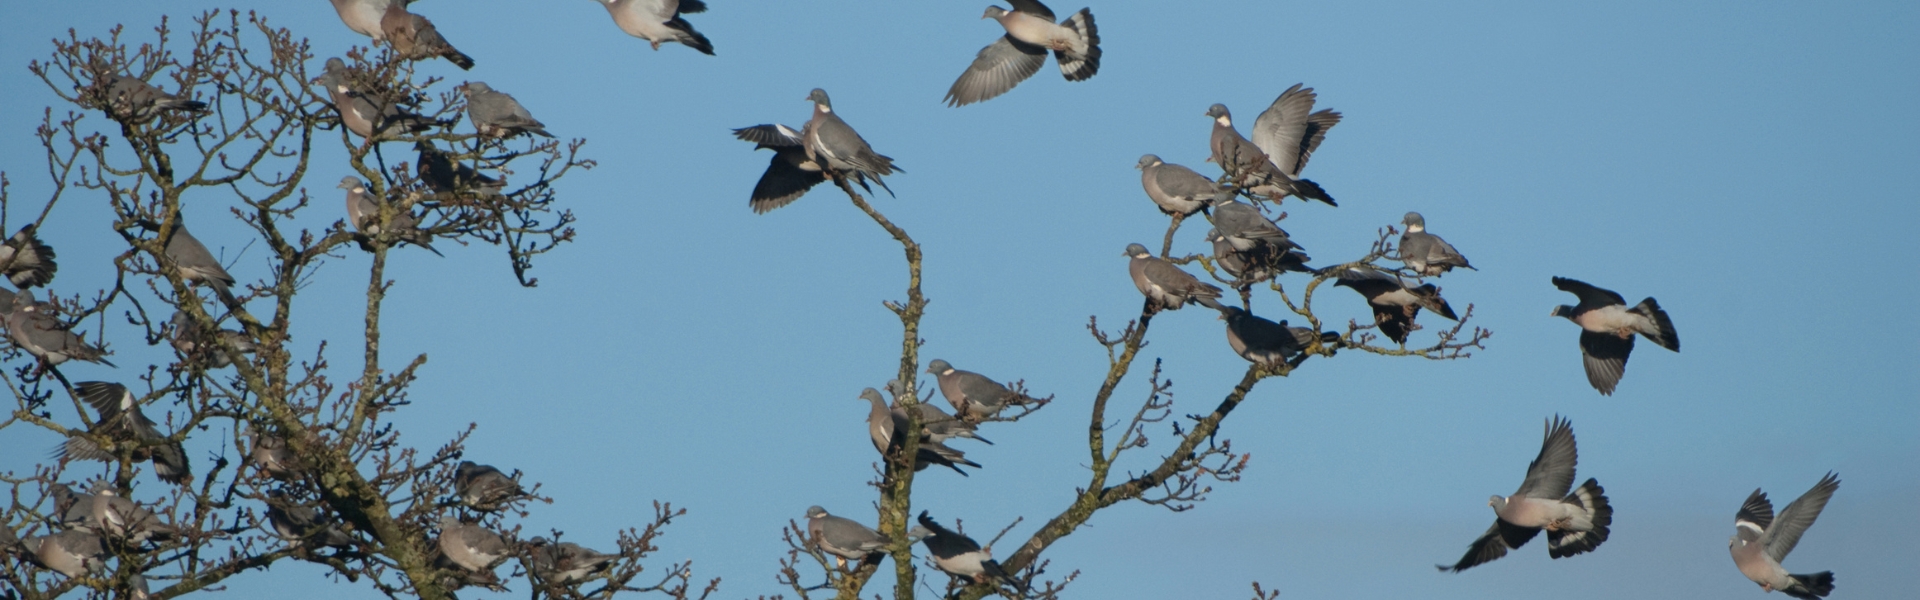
1395, 302
1177, 190
1016, 56
444, 176
791, 172
1263, 261
270, 455
1287, 133
36, 331
565, 563
1265, 342
658, 21
197, 264
472, 547
363, 212
122, 421
1761, 540
1425, 253
363, 16
413, 37
1607, 328
107, 514
956, 554
366, 113
207, 348
130, 100
497, 114
1575, 522
842, 537
973, 396
71, 553
303, 525
834, 145
483, 487
1245, 227
1165, 285
26, 261
884, 427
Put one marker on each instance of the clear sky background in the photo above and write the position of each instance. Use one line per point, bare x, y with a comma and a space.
1749, 164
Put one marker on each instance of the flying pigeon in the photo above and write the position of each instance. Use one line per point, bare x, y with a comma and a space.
565, 562
884, 422
1426, 253
1284, 137
1177, 190
364, 113
972, 395
363, 211
193, 343
1575, 522
791, 172
1031, 32
444, 176
472, 547
1265, 342
72, 552
1394, 302
956, 554
45, 337
413, 37
497, 114
303, 525
1165, 285
1607, 327
1761, 540
482, 487
27, 261
831, 143
842, 537
363, 16
658, 21
122, 420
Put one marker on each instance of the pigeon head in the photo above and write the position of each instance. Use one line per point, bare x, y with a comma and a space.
939, 367
23, 300
350, 182
1229, 313
1414, 222
994, 12
1213, 235
872, 395
815, 512
1562, 311
473, 87
1219, 111
919, 532
1497, 502
1138, 251
819, 97
1148, 160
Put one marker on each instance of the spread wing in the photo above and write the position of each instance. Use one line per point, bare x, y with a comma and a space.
1551, 474
1589, 295
1001, 65
1798, 516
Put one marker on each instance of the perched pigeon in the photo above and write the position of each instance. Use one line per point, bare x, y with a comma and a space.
270, 455
363, 211
195, 344
131, 100
364, 113
1245, 227
565, 562
883, 423
956, 554
35, 330
122, 420
72, 552
363, 16
842, 537
658, 21
1165, 285
497, 114
1177, 190
472, 547
27, 261
1260, 263
9, 541
444, 176
1761, 540
1607, 327
303, 525
1426, 253
197, 264
789, 175
1284, 136
1394, 302
482, 487
940, 426
1265, 342
107, 514
414, 38
972, 395
1031, 32
1575, 522
833, 144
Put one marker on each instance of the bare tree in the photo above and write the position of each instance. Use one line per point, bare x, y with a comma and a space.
231, 117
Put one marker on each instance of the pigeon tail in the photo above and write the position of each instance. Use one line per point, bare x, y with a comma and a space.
690, 38
1306, 188
1666, 337
1081, 66
1591, 498
188, 105
1810, 587
458, 58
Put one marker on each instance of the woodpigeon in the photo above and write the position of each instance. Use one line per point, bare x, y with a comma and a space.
1426, 253
364, 113
1284, 137
270, 455
413, 37
658, 21
1395, 303
482, 487
883, 423
497, 114
1031, 32
132, 100
122, 420
107, 514
1607, 327
35, 330
1260, 263
972, 395
27, 261
444, 176
72, 552
363, 16
1761, 540
194, 344
1265, 342
197, 264
791, 172
1165, 285
956, 554
565, 562
843, 538
833, 144
1575, 522
1245, 227
1177, 190
303, 525
941, 426
363, 212
472, 547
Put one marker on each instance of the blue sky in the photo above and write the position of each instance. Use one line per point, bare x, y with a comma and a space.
1748, 164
